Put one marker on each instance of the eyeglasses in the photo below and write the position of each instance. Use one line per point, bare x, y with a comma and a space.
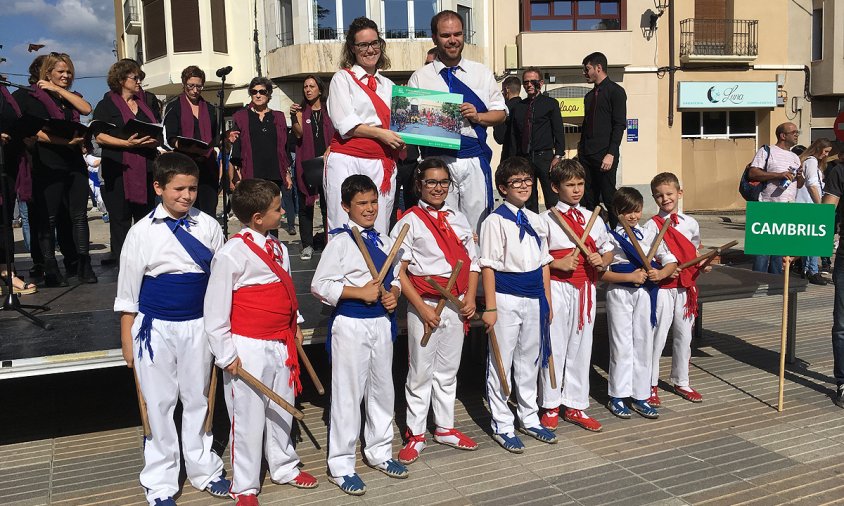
535, 82
791, 132
520, 183
363, 46
430, 184
262, 92
194, 87
137, 79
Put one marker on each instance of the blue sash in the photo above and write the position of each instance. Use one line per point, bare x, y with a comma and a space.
636, 262
470, 147
353, 308
527, 284
158, 294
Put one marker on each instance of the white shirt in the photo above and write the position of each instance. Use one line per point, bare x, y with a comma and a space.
350, 106
662, 256
814, 178
151, 249
557, 238
502, 250
781, 160
686, 225
342, 264
233, 267
420, 246
475, 75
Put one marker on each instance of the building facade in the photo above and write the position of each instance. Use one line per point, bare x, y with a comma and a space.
827, 56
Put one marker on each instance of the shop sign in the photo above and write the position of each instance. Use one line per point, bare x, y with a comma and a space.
727, 95
571, 107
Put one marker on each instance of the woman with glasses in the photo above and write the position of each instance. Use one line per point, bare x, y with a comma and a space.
260, 152
126, 163
359, 107
191, 117
59, 173
314, 131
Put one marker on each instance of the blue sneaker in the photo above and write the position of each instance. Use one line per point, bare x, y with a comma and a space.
392, 468
509, 442
644, 409
220, 486
540, 434
351, 484
165, 502
618, 408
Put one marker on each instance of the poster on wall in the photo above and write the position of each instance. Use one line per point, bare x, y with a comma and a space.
633, 130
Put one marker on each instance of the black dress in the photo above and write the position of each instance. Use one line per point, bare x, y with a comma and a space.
209, 181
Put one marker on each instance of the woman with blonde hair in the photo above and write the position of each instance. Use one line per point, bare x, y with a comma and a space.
813, 161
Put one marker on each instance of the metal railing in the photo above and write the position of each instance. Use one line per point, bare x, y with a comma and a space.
719, 37
130, 12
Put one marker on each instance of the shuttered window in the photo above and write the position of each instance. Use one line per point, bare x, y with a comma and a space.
155, 36
218, 26
186, 32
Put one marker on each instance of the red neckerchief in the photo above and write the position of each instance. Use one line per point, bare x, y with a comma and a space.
583, 278
683, 249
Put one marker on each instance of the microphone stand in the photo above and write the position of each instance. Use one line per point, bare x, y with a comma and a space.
224, 181
11, 301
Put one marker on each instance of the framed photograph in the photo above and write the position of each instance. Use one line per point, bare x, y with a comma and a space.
426, 117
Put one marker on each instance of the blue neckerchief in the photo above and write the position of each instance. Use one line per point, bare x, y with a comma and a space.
636, 262
521, 220
172, 298
529, 284
470, 147
358, 308
199, 252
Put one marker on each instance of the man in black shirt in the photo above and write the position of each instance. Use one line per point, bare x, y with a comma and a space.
503, 133
833, 191
604, 124
539, 137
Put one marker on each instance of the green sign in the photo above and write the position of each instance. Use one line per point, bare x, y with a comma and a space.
426, 117
777, 228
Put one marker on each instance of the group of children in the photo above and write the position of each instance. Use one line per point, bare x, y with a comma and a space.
188, 301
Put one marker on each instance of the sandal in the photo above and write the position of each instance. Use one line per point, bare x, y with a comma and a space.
19, 287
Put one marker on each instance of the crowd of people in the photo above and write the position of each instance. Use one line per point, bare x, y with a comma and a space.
189, 300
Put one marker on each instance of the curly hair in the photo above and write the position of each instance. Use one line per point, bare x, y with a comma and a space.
118, 71
192, 71
348, 58
50, 63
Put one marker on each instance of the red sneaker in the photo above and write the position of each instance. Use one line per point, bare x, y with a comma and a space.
550, 418
412, 448
688, 393
578, 417
653, 400
304, 480
246, 500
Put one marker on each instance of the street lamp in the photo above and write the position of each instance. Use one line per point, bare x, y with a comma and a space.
660, 6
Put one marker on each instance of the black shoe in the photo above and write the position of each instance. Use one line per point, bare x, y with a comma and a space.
291, 231
71, 269
86, 273
109, 261
52, 275
816, 279
36, 272
838, 398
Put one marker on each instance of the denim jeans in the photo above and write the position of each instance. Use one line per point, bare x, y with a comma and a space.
24, 212
810, 265
770, 264
838, 322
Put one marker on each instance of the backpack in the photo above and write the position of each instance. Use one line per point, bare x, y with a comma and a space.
748, 189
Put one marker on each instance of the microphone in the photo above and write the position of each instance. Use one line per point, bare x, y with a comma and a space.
224, 71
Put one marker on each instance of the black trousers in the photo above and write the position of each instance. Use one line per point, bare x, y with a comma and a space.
541, 162
208, 190
306, 217
60, 194
600, 185
122, 213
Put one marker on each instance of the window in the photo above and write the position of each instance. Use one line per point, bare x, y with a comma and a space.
423, 11
817, 34
573, 15
468, 32
332, 17
185, 18
154, 35
279, 23
718, 124
396, 23
218, 26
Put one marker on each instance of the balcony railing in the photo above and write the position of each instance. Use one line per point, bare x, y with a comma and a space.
130, 15
709, 39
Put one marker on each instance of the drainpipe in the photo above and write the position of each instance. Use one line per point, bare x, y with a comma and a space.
671, 68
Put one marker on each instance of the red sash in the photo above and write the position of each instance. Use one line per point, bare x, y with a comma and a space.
682, 248
452, 249
370, 149
583, 278
253, 317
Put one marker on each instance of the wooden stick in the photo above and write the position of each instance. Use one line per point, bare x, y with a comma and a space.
714, 252
142, 406
303, 357
635, 243
658, 241
590, 223
366, 258
264, 389
379, 276
569, 232
493, 340
784, 331
212, 396
551, 372
441, 303
393, 252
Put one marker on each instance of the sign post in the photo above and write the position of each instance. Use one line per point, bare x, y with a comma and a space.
838, 126
788, 229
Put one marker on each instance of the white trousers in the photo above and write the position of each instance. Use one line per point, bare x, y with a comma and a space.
670, 309
258, 426
179, 370
361, 371
517, 329
572, 349
432, 372
338, 167
469, 193
631, 342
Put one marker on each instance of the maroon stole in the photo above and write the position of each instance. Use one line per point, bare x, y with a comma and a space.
682, 248
53, 110
241, 120
205, 127
305, 148
23, 182
135, 171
